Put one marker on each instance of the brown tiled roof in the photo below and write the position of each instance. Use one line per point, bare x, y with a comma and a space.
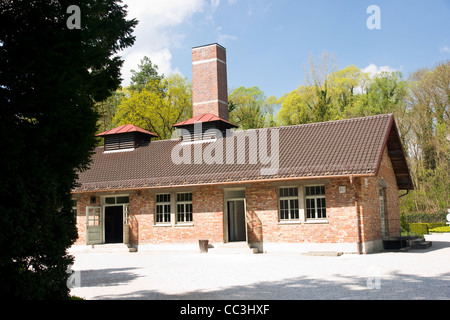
336, 148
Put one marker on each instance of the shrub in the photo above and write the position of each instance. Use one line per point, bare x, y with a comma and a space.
435, 225
407, 233
437, 217
441, 229
420, 228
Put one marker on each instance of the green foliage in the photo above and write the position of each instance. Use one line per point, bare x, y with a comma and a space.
147, 72
419, 228
435, 225
107, 110
425, 228
440, 229
421, 217
50, 78
296, 107
249, 108
157, 106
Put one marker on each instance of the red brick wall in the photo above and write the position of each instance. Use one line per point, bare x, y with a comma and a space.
262, 214
207, 206
370, 205
262, 209
82, 202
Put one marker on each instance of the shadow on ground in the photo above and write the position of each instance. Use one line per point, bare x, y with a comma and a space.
107, 277
397, 286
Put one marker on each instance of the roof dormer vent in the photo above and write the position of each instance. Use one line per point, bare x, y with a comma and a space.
125, 138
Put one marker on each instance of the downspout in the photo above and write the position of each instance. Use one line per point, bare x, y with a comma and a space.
407, 191
358, 218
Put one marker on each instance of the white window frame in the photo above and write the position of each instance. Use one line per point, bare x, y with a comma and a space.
163, 204
184, 204
115, 196
315, 198
75, 209
289, 198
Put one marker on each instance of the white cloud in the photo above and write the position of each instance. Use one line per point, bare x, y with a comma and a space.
223, 38
215, 3
156, 32
163, 12
162, 58
374, 69
445, 49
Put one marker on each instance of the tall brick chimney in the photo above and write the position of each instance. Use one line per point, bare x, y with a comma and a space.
209, 81
209, 95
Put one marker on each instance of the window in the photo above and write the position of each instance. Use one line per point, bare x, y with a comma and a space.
184, 207
315, 202
117, 200
288, 203
382, 199
74, 209
163, 208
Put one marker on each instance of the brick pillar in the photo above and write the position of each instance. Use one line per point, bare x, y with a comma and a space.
209, 81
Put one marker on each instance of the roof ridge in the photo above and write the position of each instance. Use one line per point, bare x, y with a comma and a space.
384, 115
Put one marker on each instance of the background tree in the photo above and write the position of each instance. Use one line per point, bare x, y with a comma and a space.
107, 109
249, 108
318, 76
50, 78
296, 107
158, 105
344, 88
146, 73
428, 138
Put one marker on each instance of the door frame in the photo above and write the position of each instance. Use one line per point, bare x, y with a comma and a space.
125, 212
104, 218
227, 219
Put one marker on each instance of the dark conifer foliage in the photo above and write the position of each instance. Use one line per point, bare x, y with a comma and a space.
50, 78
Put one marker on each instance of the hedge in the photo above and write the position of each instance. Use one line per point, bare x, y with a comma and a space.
419, 228
441, 229
424, 228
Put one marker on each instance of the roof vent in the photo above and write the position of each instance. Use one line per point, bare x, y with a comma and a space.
125, 138
199, 128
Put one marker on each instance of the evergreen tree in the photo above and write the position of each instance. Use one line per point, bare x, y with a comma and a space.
50, 78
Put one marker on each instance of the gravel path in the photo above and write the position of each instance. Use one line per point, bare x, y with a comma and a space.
416, 274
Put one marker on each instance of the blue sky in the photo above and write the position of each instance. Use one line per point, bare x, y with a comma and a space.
268, 42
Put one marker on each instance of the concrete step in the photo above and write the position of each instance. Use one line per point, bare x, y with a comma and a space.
241, 247
111, 248
420, 244
405, 243
323, 253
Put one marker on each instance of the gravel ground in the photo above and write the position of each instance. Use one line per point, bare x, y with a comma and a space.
415, 274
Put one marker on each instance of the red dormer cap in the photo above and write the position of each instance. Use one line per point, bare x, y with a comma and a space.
208, 117
126, 129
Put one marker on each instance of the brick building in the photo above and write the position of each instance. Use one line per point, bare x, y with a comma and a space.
331, 186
